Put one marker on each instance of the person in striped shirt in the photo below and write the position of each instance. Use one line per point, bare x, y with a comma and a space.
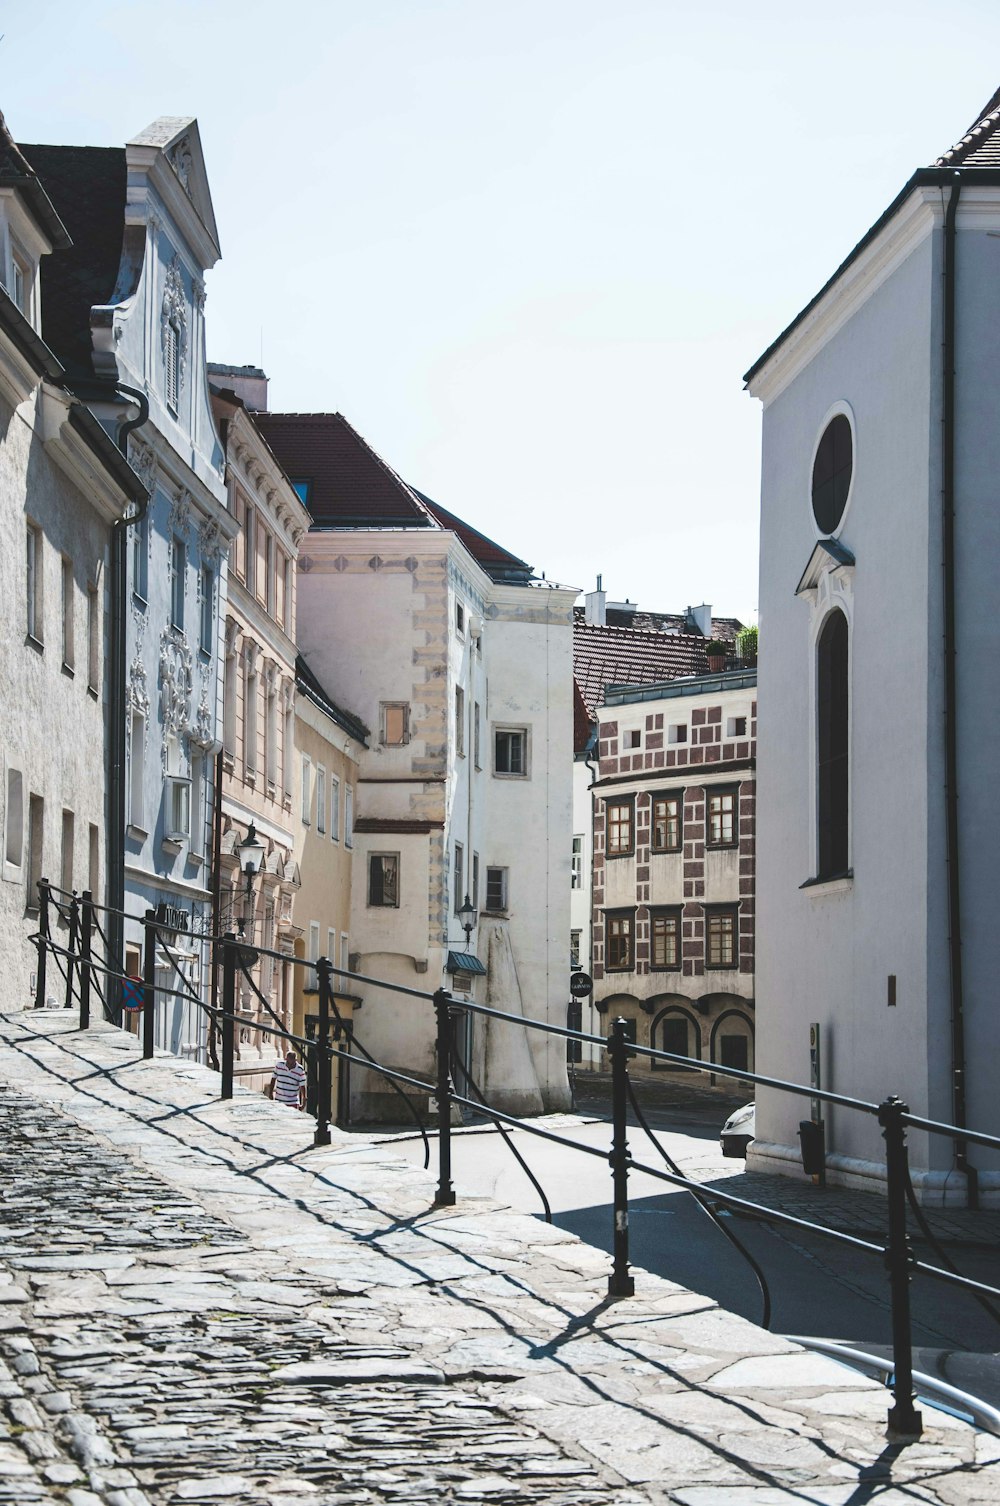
288, 1082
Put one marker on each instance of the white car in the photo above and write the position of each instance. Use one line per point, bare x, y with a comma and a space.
738, 1131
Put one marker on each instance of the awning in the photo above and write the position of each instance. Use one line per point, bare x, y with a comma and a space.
465, 962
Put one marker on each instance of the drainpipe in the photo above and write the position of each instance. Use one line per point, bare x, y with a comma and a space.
115, 844
959, 1106
591, 757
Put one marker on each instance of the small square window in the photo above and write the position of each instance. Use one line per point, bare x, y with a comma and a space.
620, 825
677, 732
510, 752
383, 879
395, 717
736, 726
618, 952
496, 890
632, 738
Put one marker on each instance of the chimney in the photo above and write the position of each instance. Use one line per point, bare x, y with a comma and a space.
248, 382
596, 606
702, 619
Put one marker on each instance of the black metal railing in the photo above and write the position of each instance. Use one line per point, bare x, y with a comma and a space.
81, 970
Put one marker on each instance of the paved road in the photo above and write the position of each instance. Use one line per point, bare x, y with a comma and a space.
818, 1288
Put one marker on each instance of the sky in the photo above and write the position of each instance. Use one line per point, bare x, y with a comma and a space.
529, 248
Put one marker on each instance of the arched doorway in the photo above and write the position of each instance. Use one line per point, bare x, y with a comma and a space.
676, 1029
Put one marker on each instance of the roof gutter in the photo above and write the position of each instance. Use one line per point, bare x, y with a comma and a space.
958, 1071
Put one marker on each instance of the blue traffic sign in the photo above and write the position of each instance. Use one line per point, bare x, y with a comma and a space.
132, 993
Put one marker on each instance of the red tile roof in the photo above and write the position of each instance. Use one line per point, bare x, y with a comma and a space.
980, 146
605, 656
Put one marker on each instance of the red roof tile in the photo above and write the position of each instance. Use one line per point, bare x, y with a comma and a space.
605, 656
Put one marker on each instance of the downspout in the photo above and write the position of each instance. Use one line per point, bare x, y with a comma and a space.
591, 763
959, 1106
115, 844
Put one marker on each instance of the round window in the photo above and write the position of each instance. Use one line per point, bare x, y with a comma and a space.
832, 470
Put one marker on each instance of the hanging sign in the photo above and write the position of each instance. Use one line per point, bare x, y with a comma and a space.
580, 985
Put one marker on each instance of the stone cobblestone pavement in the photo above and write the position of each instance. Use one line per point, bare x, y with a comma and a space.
196, 1306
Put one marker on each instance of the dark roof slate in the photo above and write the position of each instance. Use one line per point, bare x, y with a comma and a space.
498, 562
605, 656
583, 725
17, 172
307, 682
980, 146
87, 183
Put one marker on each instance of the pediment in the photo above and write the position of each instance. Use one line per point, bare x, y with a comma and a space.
828, 556
175, 142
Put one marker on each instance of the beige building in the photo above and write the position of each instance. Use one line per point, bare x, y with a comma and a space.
329, 743
258, 761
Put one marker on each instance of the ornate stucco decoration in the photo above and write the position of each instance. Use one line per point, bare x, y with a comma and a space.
213, 546
203, 731
183, 162
174, 312
137, 693
198, 288
176, 683
143, 461
179, 515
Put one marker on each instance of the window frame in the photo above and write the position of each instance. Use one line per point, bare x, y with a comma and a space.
613, 803
576, 861
386, 708
178, 573
664, 914
68, 614
722, 792
383, 903
504, 883
666, 797
511, 732
624, 918
713, 915
34, 584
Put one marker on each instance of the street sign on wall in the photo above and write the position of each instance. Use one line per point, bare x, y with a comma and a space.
580, 985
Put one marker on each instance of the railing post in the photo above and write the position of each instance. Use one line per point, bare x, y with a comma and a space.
323, 1058
905, 1422
228, 1012
148, 984
86, 955
620, 1282
344, 1077
43, 942
74, 932
445, 1195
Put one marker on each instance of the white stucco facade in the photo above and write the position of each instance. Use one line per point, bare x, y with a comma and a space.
866, 955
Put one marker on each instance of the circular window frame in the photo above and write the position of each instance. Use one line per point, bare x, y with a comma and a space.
839, 408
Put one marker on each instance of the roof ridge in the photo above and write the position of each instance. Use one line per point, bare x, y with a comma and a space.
984, 125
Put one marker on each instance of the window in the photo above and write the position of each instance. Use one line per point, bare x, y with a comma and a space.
137, 771
475, 736
575, 939
832, 471
177, 812
271, 731
250, 717
140, 557
459, 721
178, 569
287, 744
459, 876
383, 879
459, 619
832, 746
475, 880
668, 823
251, 548
395, 718
301, 490
334, 808
269, 569
172, 360
576, 872
33, 623
331, 944
721, 818
207, 580
93, 639
313, 942
20, 289
36, 832
632, 738
198, 817
94, 860
13, 850
510, 752
68, 635
306, 790
229, 702
665, 934
676, 1033
677, 732
348, 815
280, 586
720, 938
321, 799
734, 1052
496, 890
618, 951
345, 953
286, 621
736, 726
66, 863
620, 829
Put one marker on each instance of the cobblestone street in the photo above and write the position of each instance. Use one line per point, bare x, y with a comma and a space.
195, 1306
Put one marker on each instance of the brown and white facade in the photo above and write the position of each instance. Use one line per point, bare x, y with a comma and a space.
674, 865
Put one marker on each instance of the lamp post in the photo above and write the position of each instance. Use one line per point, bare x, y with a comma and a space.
467, 919
251, 858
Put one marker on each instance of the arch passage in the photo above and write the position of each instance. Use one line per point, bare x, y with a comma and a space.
832, 746
677, 1030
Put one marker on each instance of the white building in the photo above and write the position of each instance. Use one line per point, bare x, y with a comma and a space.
124, 311
880, 726
64, 486
461, 664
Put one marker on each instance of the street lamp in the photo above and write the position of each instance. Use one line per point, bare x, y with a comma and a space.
251, 852
467, 919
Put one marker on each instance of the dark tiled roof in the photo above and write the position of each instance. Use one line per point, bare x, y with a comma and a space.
980, 146
17, 172
87, 185
582, 723
498, 562
350, 486
307, 682
625, 656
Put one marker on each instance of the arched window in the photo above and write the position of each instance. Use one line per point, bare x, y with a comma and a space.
678, 1032
832, 747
